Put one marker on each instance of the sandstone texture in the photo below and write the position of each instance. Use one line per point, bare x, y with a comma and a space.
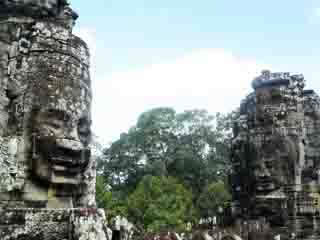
47, 175
275, 158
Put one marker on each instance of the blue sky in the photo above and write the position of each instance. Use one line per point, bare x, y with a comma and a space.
190, 54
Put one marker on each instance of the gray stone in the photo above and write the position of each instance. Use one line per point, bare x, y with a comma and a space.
47, 175
275, 158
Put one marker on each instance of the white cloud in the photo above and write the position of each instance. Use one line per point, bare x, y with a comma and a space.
212, 79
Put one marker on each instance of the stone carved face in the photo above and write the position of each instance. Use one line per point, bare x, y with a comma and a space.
61, 142
274, 166
58, 118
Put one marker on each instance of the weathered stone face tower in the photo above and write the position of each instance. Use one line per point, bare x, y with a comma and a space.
47, 178
275, 179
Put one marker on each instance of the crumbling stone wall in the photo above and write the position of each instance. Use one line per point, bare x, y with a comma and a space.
46, 169
52, 224
275, 157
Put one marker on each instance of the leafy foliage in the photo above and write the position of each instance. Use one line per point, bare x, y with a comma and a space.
191, 148
213, 197
103, 195
108, 200
161, 203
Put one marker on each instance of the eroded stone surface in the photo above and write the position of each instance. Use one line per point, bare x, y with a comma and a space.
46, 83
52, 224
275, 157
46, 169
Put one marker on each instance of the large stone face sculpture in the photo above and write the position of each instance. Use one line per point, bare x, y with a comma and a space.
45, 96
273, 166
275, 179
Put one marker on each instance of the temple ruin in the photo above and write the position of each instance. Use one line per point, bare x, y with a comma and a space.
276, 160
47, 176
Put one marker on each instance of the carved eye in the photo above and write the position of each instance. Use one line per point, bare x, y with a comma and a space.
56, 123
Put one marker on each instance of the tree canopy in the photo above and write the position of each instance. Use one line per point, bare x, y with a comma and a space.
159, 203
213, 197
191, 147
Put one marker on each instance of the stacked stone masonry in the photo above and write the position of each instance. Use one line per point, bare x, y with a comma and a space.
276, 159
47, 175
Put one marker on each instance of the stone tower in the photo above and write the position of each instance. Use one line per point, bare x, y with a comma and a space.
47, 177
275, 158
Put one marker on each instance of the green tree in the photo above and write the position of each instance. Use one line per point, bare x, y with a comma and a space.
160, 203
109, 201
214, 195
191, 146
103, 195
